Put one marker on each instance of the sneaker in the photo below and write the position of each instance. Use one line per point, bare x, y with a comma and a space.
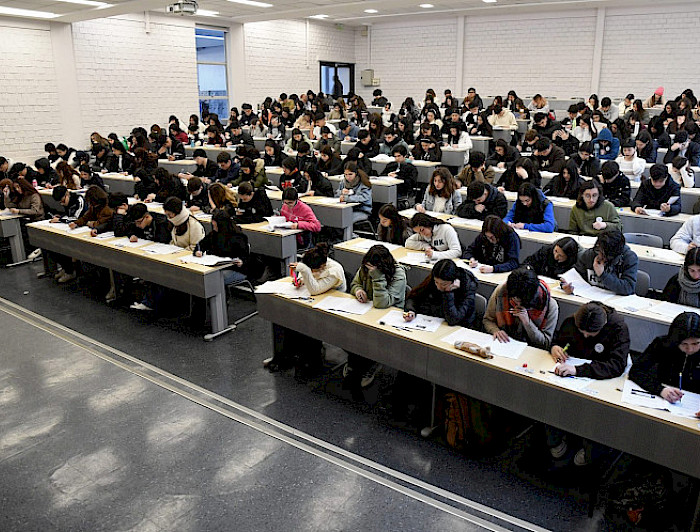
347, 370
58, 274
35, 254
140, 306
559, 450
66, 277
111, 296
580, 459
368, 377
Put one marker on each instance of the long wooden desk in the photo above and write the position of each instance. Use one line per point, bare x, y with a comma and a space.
165, 270
11, 229
600, 415
644, 325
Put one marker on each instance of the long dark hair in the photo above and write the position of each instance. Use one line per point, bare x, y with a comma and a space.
425, 220
225, 225
536, 207
570, 248
381, 258
571, 187
445, 269
317, 256
495, 225
398, 222
450, 185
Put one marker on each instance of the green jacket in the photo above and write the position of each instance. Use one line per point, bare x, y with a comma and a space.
581, 221
381, 294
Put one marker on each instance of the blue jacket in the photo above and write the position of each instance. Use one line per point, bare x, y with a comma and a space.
504, 256
361, 194
613, 148
548, 223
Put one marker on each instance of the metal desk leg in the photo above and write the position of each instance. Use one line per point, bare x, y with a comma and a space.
427, 431
19, 256
347, 233
219, 317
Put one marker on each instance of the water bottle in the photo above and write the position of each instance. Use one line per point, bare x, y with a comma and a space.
34, 183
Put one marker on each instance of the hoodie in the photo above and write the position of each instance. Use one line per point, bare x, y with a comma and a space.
612, 150
543, 222
444, 242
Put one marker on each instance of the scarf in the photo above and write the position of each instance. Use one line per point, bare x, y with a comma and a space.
690, 290
537, 312
181, 218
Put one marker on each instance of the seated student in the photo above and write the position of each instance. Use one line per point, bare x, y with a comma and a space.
615, 184
523, 309
197, 195
305, 155
319, 185
367, 144
427, 149
236, 135
392, 139
670, 364
448, 293
437, 238
532, 211
687, 237
680, 171
483, 200
89, 178
458, 138
545, 126
187, 231
646, 146
441, 195
46, 174
74, 206
608, 146
276, 131
631, 165
684, 288
356, 188
67, 154
52, 155
347, 131
382, 281
327, 138
501, 117
292, 177
167, 185
22, 198
549, 157
273, 154
503, 155
228, 168
592, 212
495, 249
682, 145
252, 171
214, 137
247, 116
68, 176
588, 165
529, 142
169, 148
584, 132
402, 169
656, 99
655, 193
253, 204
206, 169
222, 198
552, 260
597, 333
453, 119
610, 264
98, 215
523, 171
475, 170
393, 227
568, 142
317, 131
226, 240
300, 216
566, 183
329, 162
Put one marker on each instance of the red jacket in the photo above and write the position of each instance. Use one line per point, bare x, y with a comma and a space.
301, 214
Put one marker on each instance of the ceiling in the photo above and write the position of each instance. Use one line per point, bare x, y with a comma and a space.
337, 11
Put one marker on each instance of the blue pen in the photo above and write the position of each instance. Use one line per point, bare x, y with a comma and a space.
680, 384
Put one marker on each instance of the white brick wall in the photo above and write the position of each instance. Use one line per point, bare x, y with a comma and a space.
127, 77
28, 96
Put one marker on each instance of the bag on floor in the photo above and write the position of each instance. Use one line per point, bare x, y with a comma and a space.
469, 422
641, 500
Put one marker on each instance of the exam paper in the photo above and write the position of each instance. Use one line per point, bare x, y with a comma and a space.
670, 310
162, 249
105, 236
633, 394
570, 383
586, 240
79, 230
688, 406
583, 289
420, 323
284, 288
470, 222
125, 243
573, 361
207, 260
416, 258
366, 244
512, 349
343, 305
632, 303
329, 201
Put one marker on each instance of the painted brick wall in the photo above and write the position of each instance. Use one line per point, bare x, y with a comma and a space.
275, 55
127, 77
28, 97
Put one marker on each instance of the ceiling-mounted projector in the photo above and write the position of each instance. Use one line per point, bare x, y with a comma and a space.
184, 7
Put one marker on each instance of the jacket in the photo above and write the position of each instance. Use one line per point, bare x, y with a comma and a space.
455, 307
588, 168
610, 152
102, 218
618, 191
334, 143
322, 187
244, 138
539, 223
30, 205
663, 364
234, 246
444, 242
351, 135
451, 204
157, 231
228, 176
509, 157
385, 148
125, 163
302, 215
689, 232
607, 350
506, 120
648, 196
192, 235
361, 195
633, 169
255, 210
692, 153
334, 166
75, 209
543, 263
258, 179
201, 200
496, 203
398, 237
581, 220
208, 170
405, 171
504, 255
619, 275
559, 187
368, 150
554, 162
382, 293
331, 277
468, 175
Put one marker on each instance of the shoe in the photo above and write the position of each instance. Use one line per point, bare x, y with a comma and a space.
58, 274
559, 450
368, 377
140, 306
111, 296
347, 370
274, 364
35, 254
66, 277
580, 459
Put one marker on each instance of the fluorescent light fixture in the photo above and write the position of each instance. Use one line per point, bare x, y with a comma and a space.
207, 13
319, 16
14, 11
252, 3
489, 1
426, 6
91, 3
371, 11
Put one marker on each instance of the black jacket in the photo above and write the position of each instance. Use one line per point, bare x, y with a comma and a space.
75, 209
554, 162
370, 150
177, 150
234, 246
504, 255
618, 191
125, 163
405, 171
95, 179
662, 363
692, 153
648, 196
558, 187
322, 187
496, 203
455, 307
158, 230
201, 200
243, 138
334, 166
208, 170
588, 168
509, 157
275, 159
543, 263
255, 210
107, 162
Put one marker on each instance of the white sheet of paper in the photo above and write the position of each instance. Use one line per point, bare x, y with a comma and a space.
570, 383
328, 201
420, 323
470, 222
274, 220
364, 245
285, 288
633, 394
558, 199
416, 258
162, 249
574, 361
105, 236
59, 226
550, 281
586, 240
206, 260
344, 305
125, 243
654, 212
671, 310
79, 230
585, 290
688, 406
512, 349
632, 303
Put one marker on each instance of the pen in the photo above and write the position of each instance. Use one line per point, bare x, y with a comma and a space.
680, 384
643, 393
566, 347
562, 376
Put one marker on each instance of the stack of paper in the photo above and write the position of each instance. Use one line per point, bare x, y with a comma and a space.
207, 260
105, 236
670, 310
585, 290
284, 288
421, 322
585, 240
512, 349
162, 249
632, 303
343, 305
275, 222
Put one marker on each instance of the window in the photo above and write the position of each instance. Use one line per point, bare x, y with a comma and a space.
211, 71
345, 82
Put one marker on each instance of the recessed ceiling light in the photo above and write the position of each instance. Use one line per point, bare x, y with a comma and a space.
207, 13
371, 11
87, 3
14, 11
319, 16
489, 1
251, 3
426, 6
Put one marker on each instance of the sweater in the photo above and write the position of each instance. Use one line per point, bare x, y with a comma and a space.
455, 307
468, 175
633, 169
554, 162
662, 363
619, 274
332, 276
618, 190
581, 221
30, 205
542, 222
650, 197
496, 203
192, 235
451, 203
303, 216
607, 350
504, 255
689, 232
382, 293
444, 242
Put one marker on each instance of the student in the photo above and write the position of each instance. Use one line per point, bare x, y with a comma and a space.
549, 157
523, 171
545, 126
305, 155
588, 165
656, 99
483, 200
226, 240
402, 169
167, 185
391, 140
273, 154
607, 145
319, 185
329, 162
214, 137
300, 216
427, 149
435, 237
597, 333
197, 195
367, 144
566, 183
631, 165
670, 364
169, 148
503, 155
441, 195
529, 141
252, 171
495, 249
583, 132
454, 120
228, 169
247, 116
552, 260
522, 309
74, 206
646, 146
592, 212
68, 176
459, 139
475, 170
327, 138
393, 227
382, 281
66, 154
375, 126
252, 207
292, 177
502, 118
98, 215
538, 105
123, 160
615, 184
688, 236
46, 173
89, 178
680, 171
295, 140
684, 288
22, 198
222, 198
237, 136
610, 264
685, 147
656, 192
532, 211
187, 231
356, 188
347, 131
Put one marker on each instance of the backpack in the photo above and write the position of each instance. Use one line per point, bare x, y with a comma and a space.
470, 422
640, 500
